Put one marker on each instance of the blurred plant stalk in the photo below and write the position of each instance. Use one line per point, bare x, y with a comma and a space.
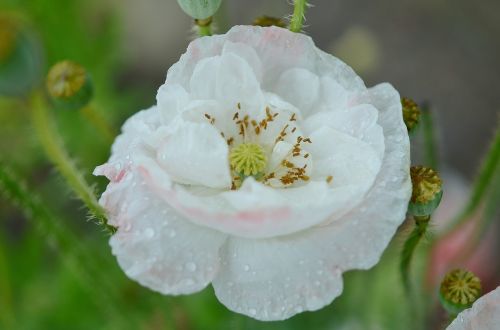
54, 149
74, 255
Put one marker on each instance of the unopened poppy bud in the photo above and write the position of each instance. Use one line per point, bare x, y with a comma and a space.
200, 9
269, 21
426, 192
69, 85
459, 289
411, 113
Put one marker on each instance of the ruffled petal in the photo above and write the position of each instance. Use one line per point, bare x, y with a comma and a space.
483, 315
303, 270
195, 153
156, 246
274, 279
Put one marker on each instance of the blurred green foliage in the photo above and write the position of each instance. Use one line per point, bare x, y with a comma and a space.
56, 269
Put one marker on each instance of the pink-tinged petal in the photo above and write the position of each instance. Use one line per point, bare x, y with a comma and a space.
303, 271
483, 315
156, 246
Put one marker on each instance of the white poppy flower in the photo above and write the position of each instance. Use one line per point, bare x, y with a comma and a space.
267, 168
483, 315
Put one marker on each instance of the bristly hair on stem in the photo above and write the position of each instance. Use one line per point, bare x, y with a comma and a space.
74, 255
54, 149
298, 17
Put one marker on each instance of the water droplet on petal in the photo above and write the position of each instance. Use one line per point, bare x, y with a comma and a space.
191, 266
149, 232
246, 268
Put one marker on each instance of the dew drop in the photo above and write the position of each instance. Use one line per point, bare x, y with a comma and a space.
246, 268
127, 226
149, 232
191, 266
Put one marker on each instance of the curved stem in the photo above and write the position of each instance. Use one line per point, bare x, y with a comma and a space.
421, 224
299, 10
75, 256
481, 184
58, 156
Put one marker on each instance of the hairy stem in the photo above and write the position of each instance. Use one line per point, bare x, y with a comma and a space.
55, 151
204, 26
74, 255
298, 17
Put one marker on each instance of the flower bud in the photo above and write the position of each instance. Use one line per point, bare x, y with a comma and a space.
200, 9
20, 57
411, 113
269, 21
459, 289
426, 192
69, 85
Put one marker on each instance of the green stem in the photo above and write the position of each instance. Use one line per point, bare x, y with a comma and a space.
99, 123
299, 10
75, 256
7, 317
55, 151
421, 224
490, 213
204, 26
430, 148
490, 166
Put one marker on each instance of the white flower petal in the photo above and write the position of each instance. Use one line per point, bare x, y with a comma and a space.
355, 241
483, 315
332, 96
171, 99
228, 79
297, 276
195, 153
348, 160
247, 53
180, 152
299, 87
156, 246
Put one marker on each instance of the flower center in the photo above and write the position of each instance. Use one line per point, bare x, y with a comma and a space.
248, 159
